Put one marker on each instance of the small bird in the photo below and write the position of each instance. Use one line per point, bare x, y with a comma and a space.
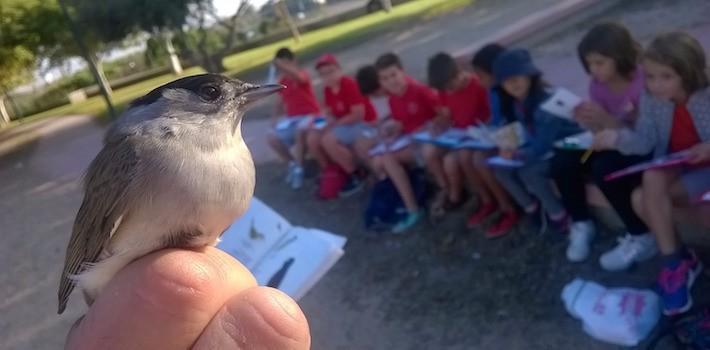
174, 171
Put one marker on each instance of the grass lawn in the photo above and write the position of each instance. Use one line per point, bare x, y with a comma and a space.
331, 38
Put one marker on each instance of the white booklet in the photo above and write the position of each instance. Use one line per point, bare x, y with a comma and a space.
280, 255
390, 146
562, 103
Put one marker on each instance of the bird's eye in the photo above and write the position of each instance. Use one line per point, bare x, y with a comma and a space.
210, 93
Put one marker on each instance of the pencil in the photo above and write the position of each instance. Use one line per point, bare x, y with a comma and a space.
586, 155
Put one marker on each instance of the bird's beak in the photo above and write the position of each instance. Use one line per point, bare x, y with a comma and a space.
257, 92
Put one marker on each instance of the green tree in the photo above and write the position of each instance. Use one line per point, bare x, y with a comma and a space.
16, 60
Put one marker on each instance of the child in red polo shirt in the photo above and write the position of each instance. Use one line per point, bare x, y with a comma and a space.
294, 114
413, 107
347, 110
465, 102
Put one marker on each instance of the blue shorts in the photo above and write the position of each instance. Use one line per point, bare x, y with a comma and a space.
287, 128
347, 134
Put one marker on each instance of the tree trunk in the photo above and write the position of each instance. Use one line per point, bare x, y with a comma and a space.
387, 5
4, 115
102, 76
282, 10
174, 59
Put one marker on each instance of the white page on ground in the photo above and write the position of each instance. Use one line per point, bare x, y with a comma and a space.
562, 103
253, 235
299, 261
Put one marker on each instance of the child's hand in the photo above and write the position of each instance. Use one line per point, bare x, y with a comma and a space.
605, 139
389, 129
506, 153
594, 117
699, 153
438, 126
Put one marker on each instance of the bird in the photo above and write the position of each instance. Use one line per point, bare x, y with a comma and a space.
174, 171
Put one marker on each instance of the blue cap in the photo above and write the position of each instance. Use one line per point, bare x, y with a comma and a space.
512, 63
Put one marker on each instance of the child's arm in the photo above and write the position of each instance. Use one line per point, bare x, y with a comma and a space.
548, 129
643, 137
292, 70
357, 114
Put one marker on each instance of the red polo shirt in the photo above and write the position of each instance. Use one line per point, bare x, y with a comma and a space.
467, 106
415, 107
348, 95
298, 97
683, 132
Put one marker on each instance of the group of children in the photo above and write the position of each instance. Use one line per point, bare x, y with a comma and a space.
643, 104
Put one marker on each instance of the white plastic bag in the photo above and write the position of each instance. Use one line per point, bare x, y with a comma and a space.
621, 316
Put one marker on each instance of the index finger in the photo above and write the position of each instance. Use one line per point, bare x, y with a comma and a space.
161, 301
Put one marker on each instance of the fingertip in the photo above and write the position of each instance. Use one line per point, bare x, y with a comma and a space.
260, 317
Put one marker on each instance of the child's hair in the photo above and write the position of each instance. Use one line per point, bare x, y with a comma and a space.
285, 53
536, 95
388, 60
684, 54
367, 80
442, 70
483, 59
611, 40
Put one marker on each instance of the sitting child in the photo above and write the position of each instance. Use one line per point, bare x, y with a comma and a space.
610, 55
412, 105
292, 125
369, 84
521, 91
674, 117
347, 110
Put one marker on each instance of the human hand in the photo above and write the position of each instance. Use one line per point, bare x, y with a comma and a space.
605, 139
438, 126
389, 129
506, 153
699, 153
593, 116
187, 299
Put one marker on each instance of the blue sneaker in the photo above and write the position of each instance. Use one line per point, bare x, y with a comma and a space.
407, 222
674, 284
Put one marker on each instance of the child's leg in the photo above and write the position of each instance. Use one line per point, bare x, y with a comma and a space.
570, 176
338, 152
510, 180
476, 183
491, 182
452, 168
660, 188
536, 177
362, 148
279, 147
394, 166
299, 149
313, 141
618, 192
433, 158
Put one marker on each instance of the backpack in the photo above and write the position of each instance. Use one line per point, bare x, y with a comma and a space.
691, 331
332, 180
385, 207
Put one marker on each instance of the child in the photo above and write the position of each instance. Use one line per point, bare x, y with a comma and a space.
291, 127
347, 110
465, 103
521, 91
482, 64
369, 84
413, 106
610, 55
674, 116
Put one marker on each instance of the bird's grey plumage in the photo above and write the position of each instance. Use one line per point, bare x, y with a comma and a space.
174, 171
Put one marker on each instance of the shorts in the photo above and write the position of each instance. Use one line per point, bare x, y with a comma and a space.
696, 181
347, 134
287, 128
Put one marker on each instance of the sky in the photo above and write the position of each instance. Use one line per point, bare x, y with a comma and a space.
228, 7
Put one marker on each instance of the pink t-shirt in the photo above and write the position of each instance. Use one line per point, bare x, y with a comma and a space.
623, 105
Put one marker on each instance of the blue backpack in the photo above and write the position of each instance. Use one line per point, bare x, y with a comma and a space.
385, 207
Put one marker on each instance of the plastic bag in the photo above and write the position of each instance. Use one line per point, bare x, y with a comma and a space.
621, 316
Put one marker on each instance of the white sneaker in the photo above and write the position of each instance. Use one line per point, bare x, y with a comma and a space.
631, 249
289, 173
581, 234
297, 181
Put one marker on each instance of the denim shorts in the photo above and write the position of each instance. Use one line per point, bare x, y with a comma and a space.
347, 134
287, 128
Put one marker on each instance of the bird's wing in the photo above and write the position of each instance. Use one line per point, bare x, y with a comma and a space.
107, 183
